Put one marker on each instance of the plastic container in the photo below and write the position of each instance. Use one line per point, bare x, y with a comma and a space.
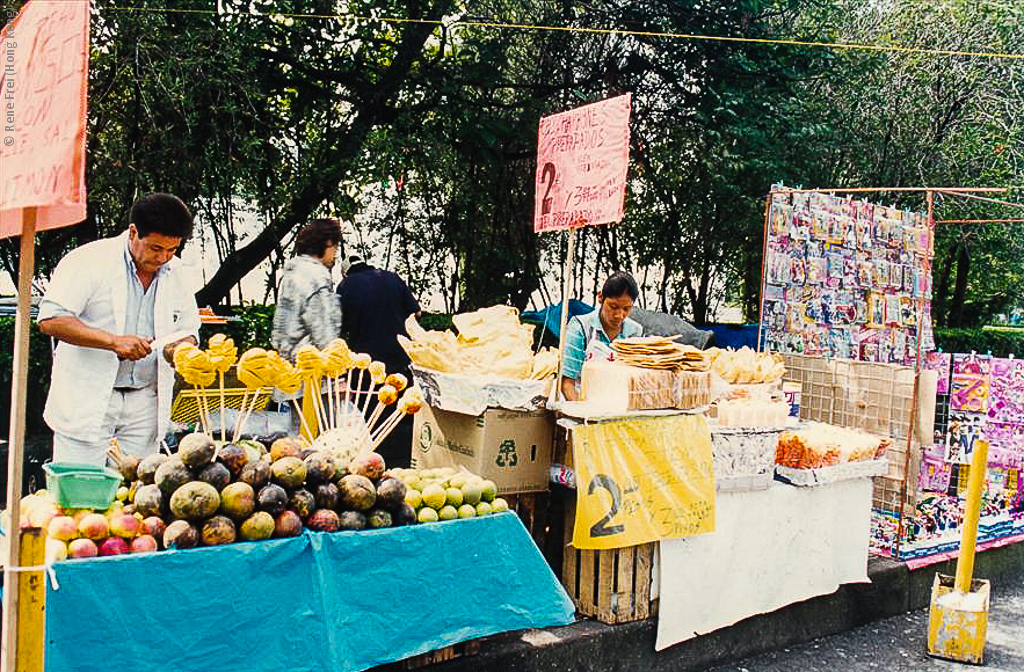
81, 486
744, 456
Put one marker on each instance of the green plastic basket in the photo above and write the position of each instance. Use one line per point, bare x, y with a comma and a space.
81, 486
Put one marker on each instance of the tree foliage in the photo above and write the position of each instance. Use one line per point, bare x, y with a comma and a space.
416, 122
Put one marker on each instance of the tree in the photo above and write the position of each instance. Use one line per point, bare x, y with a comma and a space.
926, 120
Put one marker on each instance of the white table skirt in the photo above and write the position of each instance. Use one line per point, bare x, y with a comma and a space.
770, 548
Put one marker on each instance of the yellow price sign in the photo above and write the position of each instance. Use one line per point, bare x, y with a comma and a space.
642, 480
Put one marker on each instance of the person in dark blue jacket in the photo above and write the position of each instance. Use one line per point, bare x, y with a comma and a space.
374, 306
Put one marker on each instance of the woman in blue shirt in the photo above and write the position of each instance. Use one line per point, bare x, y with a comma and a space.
602, 326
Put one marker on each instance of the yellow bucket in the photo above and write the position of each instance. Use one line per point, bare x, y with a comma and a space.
956, 628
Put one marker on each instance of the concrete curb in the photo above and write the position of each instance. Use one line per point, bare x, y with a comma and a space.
588, 645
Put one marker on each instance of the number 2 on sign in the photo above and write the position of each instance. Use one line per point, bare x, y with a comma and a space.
547, 175
601, 527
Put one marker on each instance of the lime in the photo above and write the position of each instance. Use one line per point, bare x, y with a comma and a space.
458, 480
426, 515
467, 511
484, 509
448, 513
499, 505
454, 496
471, 492
434, 496
413, 497
489, 491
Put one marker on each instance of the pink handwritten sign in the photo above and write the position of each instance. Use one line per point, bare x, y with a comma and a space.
582, 157
44, 61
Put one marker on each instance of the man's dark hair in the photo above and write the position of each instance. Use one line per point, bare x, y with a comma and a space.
164, 214
314, 237
618, 284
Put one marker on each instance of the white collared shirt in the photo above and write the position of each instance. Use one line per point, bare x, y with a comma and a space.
91, 283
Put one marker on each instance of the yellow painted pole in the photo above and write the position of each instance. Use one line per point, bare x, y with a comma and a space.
972, 512
31, 604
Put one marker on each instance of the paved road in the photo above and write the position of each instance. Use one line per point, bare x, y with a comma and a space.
898, 644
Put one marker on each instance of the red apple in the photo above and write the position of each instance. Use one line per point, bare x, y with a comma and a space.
144, 543
82, 548
94, 526
154, 526
62, 528
113, 546
125, 525
56, 550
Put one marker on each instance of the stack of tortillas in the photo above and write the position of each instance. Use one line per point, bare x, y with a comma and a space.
659, 352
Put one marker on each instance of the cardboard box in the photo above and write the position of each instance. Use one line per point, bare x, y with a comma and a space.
511, 448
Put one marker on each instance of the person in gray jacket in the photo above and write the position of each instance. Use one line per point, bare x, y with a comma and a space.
307, 308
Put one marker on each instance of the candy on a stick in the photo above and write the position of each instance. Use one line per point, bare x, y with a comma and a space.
289, 381
386, 396
255, 371
410, 403
378, 374
223, 354
397, 381
338, 361
309, 361
197, 370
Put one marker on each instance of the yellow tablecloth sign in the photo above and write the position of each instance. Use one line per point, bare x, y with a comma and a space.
642, 480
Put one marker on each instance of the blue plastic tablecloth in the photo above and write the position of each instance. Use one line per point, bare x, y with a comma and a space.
341, 601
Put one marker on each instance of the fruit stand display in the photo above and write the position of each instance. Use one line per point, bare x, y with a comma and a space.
336, 535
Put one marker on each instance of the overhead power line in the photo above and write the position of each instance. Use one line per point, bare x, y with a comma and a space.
499, 25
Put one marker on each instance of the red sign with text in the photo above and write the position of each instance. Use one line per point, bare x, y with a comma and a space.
44, 66
582, 157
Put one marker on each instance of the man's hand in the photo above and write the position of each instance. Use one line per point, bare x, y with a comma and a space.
168, 351
130, 347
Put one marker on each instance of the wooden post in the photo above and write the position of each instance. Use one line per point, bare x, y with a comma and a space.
930, 196
764, 261
566, 289
16, 445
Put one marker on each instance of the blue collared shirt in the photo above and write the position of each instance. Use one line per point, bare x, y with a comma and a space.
579, 333
138, 320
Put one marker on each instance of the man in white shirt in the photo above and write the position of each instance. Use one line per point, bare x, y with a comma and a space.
106, 303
